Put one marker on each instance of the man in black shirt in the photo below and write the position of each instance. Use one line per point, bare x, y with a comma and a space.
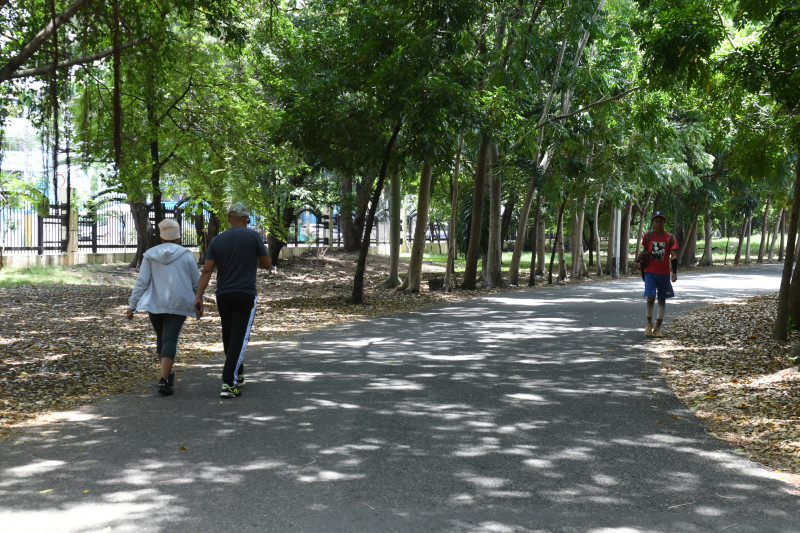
236, 252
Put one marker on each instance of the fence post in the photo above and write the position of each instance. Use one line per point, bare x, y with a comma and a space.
40, 232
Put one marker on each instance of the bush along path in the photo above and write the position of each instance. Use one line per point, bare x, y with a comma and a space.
67, 344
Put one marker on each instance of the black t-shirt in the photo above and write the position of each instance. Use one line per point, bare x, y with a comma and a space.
236, 252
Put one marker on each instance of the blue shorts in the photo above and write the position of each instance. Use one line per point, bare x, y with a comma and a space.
658, 285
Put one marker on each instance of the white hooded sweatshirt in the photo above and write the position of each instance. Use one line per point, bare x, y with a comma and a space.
167, 281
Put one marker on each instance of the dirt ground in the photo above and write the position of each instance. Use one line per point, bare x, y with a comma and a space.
65, 345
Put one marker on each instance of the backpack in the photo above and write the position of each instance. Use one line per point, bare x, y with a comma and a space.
644, 255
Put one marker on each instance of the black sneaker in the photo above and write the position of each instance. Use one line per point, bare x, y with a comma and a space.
229, 391
240, 378
171, 379
164, 387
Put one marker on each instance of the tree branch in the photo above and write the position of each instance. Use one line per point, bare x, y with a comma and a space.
36, 43
72, 62
620, 96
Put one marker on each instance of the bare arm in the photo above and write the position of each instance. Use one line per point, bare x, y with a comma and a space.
202, 284
265, 261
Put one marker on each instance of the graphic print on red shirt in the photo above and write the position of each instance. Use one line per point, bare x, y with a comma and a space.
659, 256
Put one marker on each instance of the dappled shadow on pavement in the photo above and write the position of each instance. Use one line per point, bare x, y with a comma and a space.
524, 412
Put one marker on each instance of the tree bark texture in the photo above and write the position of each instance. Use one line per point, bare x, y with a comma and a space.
764, 234
451, 235
474, 247
782, 318
394, 230
358, 280
494, 259
597, 230
414, 277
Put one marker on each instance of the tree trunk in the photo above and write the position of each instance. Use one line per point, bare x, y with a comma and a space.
559, 226
117, 96
535, 245
476, 225
394, 230
597, 230
361, 267
146, 234
749, 234
522, 232
742, 231
494, 257
625, 237
578, 264
349, 237
414, 277
782, 318
684, 252
612, 230
708, 252
764, 233
778, 225
451, 239
540, 238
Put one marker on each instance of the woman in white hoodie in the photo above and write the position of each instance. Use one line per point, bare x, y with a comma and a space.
165, 288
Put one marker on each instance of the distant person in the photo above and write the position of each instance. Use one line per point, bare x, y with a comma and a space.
660, 251
165, 288
236, 252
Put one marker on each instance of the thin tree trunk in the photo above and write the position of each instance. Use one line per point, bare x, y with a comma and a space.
708, 252
540, 239
117, 97
476, 226
535, 245
778, 225
394, 230
749, 234
358, 280
597, 230
558, 238
764, 234
414, 277
494, 259
612, 230
451, 239
625, 237
742, 231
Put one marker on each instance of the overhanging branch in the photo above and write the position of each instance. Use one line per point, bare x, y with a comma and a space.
620, 96
36, 43
27, 73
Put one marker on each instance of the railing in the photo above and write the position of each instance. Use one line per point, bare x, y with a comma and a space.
107, 226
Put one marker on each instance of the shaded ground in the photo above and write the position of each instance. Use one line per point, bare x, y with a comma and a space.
67, 344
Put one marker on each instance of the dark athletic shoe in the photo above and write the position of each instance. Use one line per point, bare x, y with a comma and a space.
164, 388
240, 378
229, 391
171, 379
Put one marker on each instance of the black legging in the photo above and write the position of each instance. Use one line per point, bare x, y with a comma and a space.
168, 329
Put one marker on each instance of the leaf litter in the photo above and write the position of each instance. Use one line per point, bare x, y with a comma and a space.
724, 364
67, 345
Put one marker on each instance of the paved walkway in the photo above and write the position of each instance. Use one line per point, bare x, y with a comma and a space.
531, 411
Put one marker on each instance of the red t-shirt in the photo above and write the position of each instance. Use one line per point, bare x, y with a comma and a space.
658, 263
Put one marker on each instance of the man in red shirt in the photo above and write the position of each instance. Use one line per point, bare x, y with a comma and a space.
661, 248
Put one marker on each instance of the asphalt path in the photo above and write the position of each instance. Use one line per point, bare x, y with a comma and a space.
539, 410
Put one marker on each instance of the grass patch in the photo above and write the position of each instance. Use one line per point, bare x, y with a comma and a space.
42, 275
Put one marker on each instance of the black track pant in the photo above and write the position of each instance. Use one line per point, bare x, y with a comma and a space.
236, 311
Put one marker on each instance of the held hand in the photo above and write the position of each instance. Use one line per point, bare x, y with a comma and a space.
674, 277
129, 314
198, 308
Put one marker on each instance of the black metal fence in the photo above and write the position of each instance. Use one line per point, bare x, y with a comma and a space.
107, 226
